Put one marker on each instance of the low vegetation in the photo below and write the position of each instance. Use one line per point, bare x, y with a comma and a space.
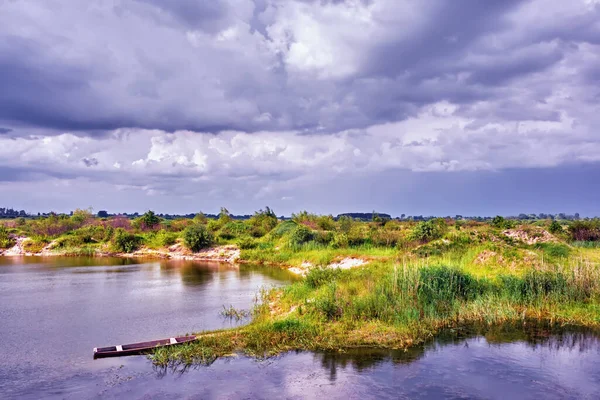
415, 278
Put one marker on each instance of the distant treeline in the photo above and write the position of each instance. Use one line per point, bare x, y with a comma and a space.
12, 213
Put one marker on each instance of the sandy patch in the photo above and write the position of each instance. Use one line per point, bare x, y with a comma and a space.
537, 236
19, 249
228, 254
346, 263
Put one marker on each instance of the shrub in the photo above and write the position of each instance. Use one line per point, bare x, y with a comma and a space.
345, 223
119, 222
196, 237
124, 241
233, 229
357, 235
148, 221
34, 246
323, 237
326, 223
301, 235
340, 241
6, 240
555, 228
81, 217
502, 223
165, 238
200, 218
585, 231
262, 222
429, 230
51, 226
385, 237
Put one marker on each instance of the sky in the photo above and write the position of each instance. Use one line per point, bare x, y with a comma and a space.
413, 107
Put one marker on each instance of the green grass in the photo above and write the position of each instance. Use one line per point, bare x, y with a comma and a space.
396, 305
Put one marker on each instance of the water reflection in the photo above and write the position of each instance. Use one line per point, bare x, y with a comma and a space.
518, 362
55, 310
532, 335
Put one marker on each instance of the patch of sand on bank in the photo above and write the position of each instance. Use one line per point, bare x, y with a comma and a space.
19, 249
346, 263
537, 236
228, 253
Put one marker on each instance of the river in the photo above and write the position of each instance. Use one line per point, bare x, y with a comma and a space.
54, 311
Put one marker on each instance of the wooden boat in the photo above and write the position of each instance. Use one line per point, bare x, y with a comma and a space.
139, 348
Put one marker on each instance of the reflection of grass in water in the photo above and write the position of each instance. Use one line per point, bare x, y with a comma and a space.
233, 313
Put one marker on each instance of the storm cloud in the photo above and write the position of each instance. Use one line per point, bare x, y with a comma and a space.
190, 96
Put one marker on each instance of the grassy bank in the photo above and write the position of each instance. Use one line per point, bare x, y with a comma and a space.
418, 278
396, 306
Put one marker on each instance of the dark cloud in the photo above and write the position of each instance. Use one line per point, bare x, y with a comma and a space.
90, 162
273, 90
213, 67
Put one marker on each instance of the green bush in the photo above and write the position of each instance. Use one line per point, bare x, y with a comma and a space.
502, 223
555, 228
585, 231
233, 229
150, 220
196, 237
262, 222
357, 235
6, 240
346, 223
326, 223
165, 238
429, 230
323, 237
340, 241
125, 242
301, 235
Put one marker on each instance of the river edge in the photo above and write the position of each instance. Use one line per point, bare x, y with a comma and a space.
283, 327
226, 253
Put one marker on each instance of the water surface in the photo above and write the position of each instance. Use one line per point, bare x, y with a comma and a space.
53, 312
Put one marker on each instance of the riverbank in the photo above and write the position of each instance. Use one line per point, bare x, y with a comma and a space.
223, 253
379, 283
398, 306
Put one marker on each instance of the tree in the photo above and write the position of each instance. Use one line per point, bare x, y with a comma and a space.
102, 214
224, 216
150, 220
